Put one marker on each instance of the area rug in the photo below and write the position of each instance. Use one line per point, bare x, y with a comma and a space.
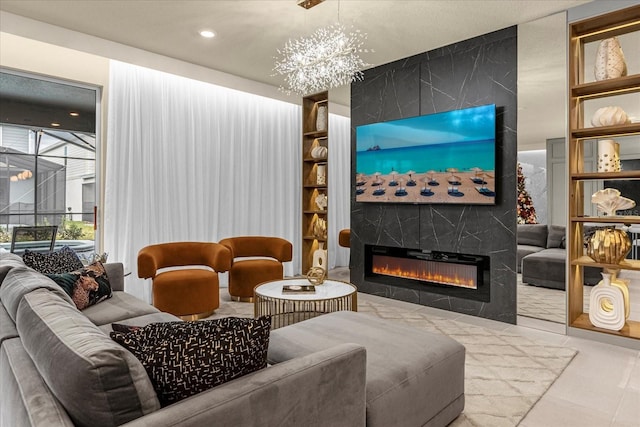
505, 373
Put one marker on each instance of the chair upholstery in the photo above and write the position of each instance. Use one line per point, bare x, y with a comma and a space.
246, 274
190, 293
344, 238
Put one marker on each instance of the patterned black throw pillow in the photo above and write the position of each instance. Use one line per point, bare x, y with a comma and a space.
186, 358
87, 286
58, 262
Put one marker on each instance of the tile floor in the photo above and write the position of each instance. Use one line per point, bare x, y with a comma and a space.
600, 387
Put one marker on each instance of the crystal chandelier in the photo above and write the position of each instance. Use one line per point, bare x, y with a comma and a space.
326, 59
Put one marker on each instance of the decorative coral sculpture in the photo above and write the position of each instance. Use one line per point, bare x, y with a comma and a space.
609, 201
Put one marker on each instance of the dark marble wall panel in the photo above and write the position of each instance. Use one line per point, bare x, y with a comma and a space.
474, 72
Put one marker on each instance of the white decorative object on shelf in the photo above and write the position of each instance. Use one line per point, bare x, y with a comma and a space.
610, 63
321, 201
607, 305
608, 156
319, 152
321, 119
321, 175
609, 116
320, 257
609, 201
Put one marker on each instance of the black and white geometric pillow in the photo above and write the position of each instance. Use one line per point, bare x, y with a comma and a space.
186, 358
58, 262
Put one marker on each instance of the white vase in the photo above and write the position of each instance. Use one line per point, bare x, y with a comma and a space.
608, 156
607, 305
321, 119
321, 175
320, 257
623, 285
610, 63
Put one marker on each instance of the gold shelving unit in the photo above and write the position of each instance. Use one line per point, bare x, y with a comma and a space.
587, 31
311, 188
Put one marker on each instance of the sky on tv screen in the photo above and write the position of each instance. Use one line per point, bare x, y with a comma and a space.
460, 139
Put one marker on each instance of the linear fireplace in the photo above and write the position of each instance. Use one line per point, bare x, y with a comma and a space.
447, 273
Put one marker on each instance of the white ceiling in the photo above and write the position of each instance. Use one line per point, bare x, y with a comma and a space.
249, 32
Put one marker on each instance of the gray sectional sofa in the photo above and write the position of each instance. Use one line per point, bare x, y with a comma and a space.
59, 367
542, 254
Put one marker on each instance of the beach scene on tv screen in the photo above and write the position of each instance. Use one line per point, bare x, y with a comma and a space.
445, 157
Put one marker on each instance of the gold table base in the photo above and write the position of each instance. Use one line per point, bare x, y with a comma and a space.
285, 312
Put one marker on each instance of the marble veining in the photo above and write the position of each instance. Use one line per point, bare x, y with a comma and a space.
477, 71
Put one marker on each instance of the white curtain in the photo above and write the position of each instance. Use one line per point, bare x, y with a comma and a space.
191, 161
339, 187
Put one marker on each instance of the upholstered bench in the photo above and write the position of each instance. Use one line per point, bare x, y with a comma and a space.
414, 377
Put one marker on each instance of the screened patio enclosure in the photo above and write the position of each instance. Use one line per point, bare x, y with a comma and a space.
47, 177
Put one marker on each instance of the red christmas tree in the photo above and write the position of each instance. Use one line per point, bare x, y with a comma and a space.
526, 211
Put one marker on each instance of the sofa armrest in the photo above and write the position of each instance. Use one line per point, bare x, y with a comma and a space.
115, 273
326, 388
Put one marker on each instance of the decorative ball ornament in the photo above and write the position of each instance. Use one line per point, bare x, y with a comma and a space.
610, 63
609, 116
316, 275
608, 246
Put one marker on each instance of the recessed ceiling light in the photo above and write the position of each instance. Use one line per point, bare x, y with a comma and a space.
74, 114
207, 34
55, 125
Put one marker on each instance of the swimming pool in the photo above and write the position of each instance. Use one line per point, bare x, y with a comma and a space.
79, 246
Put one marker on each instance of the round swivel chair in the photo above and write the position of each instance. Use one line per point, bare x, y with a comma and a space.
188, 285
246, 274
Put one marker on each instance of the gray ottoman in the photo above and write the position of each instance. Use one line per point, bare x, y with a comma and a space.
414, 377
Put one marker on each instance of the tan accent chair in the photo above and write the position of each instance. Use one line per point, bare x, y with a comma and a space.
190, 293
344, 238
246, 274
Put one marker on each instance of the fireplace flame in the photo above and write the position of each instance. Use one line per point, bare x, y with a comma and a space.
427, 271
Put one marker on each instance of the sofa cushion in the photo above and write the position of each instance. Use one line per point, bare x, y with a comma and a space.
61, 261
545, 268
26, 399
97, 381
555, 238
20, 281
139, 321
414, 377
186, 358
119, 307
523, 251
115, 271
7, 262
532, 234
87, 286
7, 326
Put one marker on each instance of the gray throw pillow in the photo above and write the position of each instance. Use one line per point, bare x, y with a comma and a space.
186, 358
556, 236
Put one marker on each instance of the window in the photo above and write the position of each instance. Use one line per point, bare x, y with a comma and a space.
47, 175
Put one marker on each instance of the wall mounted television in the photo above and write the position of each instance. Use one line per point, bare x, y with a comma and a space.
444, 157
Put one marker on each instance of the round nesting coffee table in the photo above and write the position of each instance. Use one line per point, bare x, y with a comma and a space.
285, 309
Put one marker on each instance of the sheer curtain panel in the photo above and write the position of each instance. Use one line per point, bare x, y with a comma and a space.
191, 161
